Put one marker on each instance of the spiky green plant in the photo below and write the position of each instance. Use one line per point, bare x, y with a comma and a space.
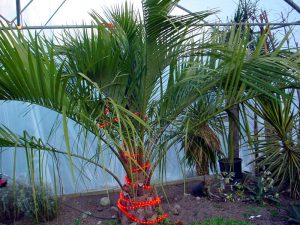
278, 149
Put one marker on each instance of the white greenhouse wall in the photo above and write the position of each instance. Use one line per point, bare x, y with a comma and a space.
38, 121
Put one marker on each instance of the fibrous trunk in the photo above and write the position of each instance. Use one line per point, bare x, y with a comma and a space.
202, 167
234, 136
138, 200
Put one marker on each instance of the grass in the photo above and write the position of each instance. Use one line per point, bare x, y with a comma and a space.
221, 221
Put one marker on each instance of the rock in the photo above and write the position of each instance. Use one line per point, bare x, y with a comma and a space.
100, 209
114, 208
85, 214
186, 194
198, 198
99, 222
105, 201
177, 206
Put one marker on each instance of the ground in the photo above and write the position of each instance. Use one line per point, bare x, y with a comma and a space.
190, 208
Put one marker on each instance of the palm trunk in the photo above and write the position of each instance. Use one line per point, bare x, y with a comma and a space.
298, 94
255, 130
138, 200
234, 135
202, 168
138, 204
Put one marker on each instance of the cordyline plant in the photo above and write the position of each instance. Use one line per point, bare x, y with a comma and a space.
128, 82
278, 148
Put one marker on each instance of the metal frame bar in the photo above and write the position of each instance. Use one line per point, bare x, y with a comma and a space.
60, 27
22, 11
63, 2
18, 10
6, 20
293, 5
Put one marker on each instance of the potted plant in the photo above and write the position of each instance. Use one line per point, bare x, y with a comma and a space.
227, 166
232, 162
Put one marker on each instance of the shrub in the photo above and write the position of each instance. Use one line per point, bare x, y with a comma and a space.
38, 203
10, 207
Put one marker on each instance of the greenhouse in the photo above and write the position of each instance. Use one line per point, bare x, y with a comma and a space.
149, 112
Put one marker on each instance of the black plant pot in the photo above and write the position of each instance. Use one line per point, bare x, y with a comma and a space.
226, 166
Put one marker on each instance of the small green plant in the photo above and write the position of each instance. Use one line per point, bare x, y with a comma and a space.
263, 189
239, 190
39, 203
294, 213
229, 197
225, 178
221, 221
19, 200
236, 192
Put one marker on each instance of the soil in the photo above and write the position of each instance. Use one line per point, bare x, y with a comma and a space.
191, 208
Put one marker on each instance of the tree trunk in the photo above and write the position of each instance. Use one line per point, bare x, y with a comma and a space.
202, 168
255, 131
298, 94
234, 135
138, 201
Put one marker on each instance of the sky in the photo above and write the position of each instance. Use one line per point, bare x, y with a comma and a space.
76, 11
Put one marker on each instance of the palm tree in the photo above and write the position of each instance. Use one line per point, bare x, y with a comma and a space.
129, 84
245, 11
201, 144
